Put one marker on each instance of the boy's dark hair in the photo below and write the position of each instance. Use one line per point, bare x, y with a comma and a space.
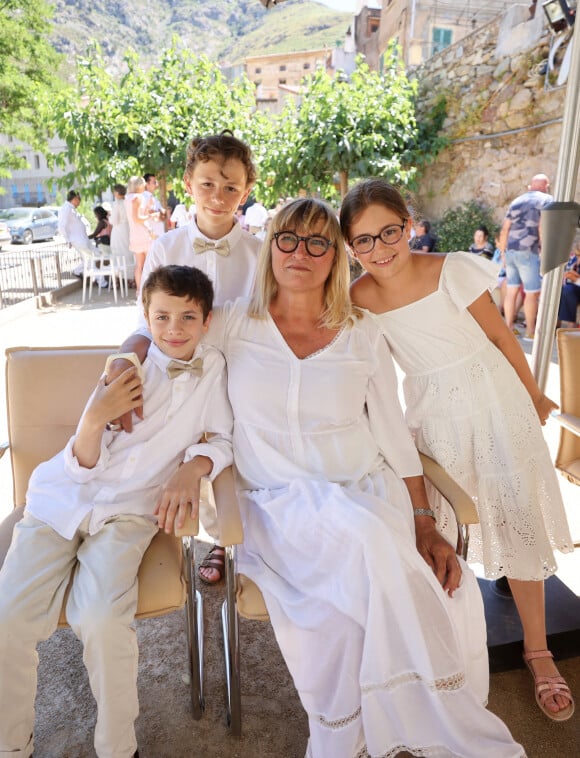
180, 281
221, 148
71, 194
148, 176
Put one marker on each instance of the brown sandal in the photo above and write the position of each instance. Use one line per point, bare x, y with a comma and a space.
548, 686
214, 559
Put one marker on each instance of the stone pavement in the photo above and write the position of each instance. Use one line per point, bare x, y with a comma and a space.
274, 723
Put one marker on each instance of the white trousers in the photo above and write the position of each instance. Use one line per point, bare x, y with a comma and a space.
100, 609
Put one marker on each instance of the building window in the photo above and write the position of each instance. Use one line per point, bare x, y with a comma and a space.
36, 161
281, 81
306, 66
258, 70
441, 39
282, 67
373, 25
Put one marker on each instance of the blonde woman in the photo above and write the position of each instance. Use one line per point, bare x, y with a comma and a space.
333, 502
138, 217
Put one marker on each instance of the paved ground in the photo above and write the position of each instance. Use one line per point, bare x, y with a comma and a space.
274, 723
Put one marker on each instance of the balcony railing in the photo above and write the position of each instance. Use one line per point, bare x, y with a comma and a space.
28, 272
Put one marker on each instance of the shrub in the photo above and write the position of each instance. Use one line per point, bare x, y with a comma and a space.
455, 229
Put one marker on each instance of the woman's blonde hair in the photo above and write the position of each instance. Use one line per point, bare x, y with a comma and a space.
304, 215
134, 183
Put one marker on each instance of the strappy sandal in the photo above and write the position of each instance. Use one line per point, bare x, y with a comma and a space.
549, 686
214, 560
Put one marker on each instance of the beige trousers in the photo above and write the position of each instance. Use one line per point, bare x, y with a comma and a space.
100, 609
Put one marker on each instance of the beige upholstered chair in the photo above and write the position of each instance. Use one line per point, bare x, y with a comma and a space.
568, 455
243, 597
46, 390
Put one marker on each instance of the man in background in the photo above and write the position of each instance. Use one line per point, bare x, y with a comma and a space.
519, 242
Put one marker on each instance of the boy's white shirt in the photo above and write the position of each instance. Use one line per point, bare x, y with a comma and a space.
232, 276
132, 468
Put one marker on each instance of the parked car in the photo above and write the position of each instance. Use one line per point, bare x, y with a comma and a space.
29, 225
5, 235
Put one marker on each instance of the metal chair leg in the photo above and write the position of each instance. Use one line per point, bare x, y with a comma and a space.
194, 623
231, 639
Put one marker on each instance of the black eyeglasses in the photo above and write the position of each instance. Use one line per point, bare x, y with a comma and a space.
316, 245
389, 235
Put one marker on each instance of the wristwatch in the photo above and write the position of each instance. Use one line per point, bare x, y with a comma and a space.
131, 357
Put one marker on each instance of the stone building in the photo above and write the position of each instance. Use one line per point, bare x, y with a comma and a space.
425, 27
504, 113
278, 75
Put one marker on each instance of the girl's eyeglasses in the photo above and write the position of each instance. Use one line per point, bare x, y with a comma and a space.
389, 235
316, 246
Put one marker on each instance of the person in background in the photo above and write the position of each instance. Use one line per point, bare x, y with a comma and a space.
157, 214
140, 235
120, 230
256, 217
101, 234
423, 239
180, 216
71, 225
570, 297
520, 245
481, 244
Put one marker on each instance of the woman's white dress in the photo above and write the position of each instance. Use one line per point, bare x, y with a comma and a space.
382, 659
467, 408
120, 231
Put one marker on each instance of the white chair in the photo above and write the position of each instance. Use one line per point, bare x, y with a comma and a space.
120, 263
98, 263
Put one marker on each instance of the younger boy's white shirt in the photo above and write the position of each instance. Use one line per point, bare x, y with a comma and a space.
132, 468
232, 275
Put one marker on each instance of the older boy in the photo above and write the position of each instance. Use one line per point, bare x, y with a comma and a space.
219, 175
92, 508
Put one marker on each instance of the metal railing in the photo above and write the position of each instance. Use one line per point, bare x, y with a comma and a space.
29, 273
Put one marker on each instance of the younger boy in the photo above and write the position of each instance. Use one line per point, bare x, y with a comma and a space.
219, 175
92, 508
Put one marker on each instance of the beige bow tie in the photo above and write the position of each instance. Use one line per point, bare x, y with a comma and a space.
175, 368
222, 247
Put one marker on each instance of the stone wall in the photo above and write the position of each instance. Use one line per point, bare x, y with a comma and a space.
504, 119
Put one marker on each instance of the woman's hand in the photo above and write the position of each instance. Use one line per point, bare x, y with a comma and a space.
438, 553
181, 492
544, 406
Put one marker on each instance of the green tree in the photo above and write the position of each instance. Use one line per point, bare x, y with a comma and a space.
142, 122
27, 75
455, 229
348, 127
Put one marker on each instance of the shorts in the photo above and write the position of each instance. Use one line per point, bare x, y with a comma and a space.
523, 267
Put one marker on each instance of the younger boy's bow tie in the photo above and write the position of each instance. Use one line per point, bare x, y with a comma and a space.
222, 247
175, 368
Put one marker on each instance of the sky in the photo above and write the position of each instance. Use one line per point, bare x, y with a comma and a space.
347, 6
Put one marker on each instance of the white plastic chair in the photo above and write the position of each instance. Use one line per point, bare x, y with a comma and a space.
98, 263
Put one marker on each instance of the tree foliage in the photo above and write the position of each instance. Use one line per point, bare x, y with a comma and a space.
28, 66
142, 122
345, 127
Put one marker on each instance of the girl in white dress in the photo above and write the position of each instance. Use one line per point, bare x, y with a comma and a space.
333, 501
472, 404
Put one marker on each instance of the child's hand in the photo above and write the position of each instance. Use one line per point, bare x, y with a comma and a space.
544, 406
109, 401
116, 369
181, 493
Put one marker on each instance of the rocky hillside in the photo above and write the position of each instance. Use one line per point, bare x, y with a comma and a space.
225, 30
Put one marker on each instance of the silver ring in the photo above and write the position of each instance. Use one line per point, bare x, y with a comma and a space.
112, 427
